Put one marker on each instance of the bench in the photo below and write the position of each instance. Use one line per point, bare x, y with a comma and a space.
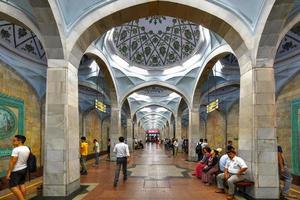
244, 184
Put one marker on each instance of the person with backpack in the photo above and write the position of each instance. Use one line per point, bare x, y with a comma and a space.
17, 169
198, 149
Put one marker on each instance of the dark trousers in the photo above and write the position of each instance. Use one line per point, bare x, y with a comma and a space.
121, 162
200, 156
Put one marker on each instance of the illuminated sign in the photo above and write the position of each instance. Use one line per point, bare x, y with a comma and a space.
152, 131
100, 106
212, 106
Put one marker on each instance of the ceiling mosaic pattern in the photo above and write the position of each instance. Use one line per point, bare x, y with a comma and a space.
21, 39
156, 41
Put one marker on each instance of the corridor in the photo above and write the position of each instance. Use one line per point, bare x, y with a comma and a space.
154, 174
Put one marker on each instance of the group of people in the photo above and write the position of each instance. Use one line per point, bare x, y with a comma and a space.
227, 168
84, 146
138, 144
172, 144
230, 169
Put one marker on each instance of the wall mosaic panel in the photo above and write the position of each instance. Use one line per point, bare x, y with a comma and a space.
11, 122
295, 112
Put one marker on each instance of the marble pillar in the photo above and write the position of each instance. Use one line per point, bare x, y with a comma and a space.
130, 135
115, 130
178, 127
136, 131
61, 165
257, 135
193, 132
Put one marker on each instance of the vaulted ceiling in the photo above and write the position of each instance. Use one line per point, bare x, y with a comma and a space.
143, 52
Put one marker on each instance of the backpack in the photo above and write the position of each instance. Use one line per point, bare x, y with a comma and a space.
198, 148
31, 162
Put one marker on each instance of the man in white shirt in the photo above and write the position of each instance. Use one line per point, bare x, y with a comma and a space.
223, 160
234, 171
96, 149
122, 153
16, 173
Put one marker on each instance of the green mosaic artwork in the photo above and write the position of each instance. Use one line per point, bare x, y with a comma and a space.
295, 119
12, 118
8, 122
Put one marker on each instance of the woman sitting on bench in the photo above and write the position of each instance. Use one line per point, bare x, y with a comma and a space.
211, 168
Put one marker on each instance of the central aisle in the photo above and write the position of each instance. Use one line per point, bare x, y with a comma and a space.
153, 174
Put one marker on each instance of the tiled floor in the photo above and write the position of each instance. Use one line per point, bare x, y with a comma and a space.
154, 174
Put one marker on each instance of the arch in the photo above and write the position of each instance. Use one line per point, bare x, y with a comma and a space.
155, 120
148, 123
18, 17
152, 104
222, 85
286, 82
48, 27
108, 77
153, 83
199, 12
270, 37
203, 75
154, 114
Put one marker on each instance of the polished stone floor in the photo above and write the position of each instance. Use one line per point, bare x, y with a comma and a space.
154, 174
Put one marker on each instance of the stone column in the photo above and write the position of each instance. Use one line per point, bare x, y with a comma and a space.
136, 131
129, 135
257, 135
193, 132
178, 127
115, 130
61, 165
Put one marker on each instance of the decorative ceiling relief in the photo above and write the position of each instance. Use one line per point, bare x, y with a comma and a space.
290, 42
157, 41
21, 39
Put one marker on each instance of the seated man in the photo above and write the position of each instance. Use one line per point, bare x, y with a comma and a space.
234, 171
224, 158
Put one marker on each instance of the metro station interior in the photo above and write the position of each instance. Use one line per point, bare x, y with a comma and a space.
150, 71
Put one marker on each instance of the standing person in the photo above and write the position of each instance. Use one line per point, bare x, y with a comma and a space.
198, 150
96, 149
235, 170
108, 149
122, 153
16, 173
284, 174
175, 147
229, 144
83, 155
204, 144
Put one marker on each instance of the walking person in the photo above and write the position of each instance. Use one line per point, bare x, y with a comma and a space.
16, 173
83, 155
284, 174
122, 153
108, 149
175, 147
96, 149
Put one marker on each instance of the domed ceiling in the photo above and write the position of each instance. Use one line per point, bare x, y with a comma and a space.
156, 41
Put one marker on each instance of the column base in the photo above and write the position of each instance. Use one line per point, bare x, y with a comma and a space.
269, 193
61, 191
